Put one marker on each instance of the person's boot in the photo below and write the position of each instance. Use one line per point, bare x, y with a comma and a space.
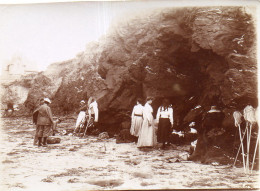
35, 141
163, 146
45, 141
39, 141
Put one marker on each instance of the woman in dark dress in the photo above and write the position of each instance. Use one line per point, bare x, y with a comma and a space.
164, 119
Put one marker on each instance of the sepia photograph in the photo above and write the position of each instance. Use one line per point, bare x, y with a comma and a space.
129, 95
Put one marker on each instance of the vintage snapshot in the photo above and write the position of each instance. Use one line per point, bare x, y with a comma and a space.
129, 95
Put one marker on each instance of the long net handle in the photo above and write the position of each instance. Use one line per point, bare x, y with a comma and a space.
241, 145
255, 152
248, 147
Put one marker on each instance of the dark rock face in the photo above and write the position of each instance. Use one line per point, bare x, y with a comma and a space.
204, 53
193, 56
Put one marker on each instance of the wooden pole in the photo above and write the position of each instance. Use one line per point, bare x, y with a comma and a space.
255, 152
242, 145
249, 146
243, 154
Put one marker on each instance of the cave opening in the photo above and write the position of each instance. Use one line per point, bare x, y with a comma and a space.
194, 80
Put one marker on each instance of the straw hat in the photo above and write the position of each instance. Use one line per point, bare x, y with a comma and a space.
213, 109
47, 100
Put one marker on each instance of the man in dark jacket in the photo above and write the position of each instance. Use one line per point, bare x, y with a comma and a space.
211, 127
212, 121
35, 116
44, 122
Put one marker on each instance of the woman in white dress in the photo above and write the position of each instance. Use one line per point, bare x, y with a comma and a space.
81, 117
137, 118
147, 137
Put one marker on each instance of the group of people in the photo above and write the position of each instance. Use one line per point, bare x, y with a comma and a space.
148, 130
46, 125
88, 114
144, 126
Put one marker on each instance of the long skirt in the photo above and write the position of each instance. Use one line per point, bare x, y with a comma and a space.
164, 130
43, 130
147, 137
89, 123
80, 119
136, 125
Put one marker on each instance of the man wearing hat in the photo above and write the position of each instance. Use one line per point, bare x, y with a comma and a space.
35, 116
44, 122
212, 120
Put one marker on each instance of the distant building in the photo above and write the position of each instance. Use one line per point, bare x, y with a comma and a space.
17, 67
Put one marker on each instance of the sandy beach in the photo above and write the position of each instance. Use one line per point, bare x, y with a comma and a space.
100, 164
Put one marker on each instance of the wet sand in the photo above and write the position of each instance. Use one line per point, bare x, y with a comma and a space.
94, 164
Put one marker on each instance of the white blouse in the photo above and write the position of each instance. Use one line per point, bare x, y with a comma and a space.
148, 113
138, 109
167, 113
93, 109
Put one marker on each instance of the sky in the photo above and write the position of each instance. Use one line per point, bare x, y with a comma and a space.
50, 33
54, 32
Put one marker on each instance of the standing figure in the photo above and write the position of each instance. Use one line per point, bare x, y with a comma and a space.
137, 118
147, 137
35, 116
82, 115
212, 120
44, 122
93, 109
164, 119
92, 114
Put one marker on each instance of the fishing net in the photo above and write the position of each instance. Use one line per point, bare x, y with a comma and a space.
238, 118
249, 114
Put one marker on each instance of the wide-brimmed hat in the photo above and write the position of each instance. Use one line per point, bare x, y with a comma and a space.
47, 100
213, 109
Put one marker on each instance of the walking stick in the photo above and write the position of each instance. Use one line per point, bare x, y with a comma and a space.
255, 152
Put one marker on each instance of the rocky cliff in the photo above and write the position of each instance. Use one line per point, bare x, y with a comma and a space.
194, 56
